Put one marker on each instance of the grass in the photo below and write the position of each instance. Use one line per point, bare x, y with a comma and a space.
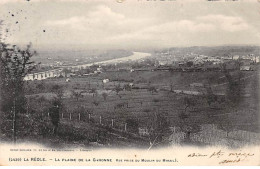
142, 104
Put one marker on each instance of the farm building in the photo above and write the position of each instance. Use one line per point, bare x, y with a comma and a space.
131, 84
105, 80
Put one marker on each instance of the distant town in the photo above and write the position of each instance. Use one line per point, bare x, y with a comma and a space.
160, 61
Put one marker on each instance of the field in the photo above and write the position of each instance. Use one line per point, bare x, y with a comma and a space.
156, 100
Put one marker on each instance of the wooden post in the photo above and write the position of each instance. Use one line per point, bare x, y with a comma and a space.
89, 117
62, 115
27, 109
48, 114
14, 123
70, 116
100, 118
112, 122
79, 116
125, 126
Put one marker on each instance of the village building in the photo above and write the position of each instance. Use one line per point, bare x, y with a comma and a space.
105, 80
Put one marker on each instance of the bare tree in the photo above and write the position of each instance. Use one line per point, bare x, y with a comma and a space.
118, 89
171, 86
159, 129
188, 102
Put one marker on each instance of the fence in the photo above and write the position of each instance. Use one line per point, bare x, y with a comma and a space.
97, 119
209, 133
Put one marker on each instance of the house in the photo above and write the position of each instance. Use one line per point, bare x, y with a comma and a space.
99, 69
97, 72
105, 80
131, 84
163, 62
236, 57
28, 77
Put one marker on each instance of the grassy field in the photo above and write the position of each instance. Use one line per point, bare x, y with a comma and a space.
143, 105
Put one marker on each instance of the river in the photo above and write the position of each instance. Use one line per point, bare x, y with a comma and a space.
50, 73
134, 57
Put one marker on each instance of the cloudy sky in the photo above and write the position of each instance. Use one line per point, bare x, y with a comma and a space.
132, 24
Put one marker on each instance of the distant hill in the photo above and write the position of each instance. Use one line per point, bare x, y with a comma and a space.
47, 56
215, 51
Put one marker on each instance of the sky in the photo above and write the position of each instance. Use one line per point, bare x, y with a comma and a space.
130, 24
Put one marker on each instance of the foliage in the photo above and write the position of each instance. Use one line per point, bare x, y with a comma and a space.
105, 96
132, 125
76, 94
94, 91
55, 113
159, 128
235, 87
152, 89
15, 64
118, 89
127, 87
58, 90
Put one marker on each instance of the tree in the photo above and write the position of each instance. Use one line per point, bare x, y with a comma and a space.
55, 113
171, 85
58, 90
105, 96
152, 89
40, 86
189, 63
210, 96
127, 87
66, 71
118, 89
15, 65
76, 94
94, 91
188, 102
95, 102
159, 129
132, 125
234, 88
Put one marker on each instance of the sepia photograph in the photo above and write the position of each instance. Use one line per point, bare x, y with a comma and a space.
102, 82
